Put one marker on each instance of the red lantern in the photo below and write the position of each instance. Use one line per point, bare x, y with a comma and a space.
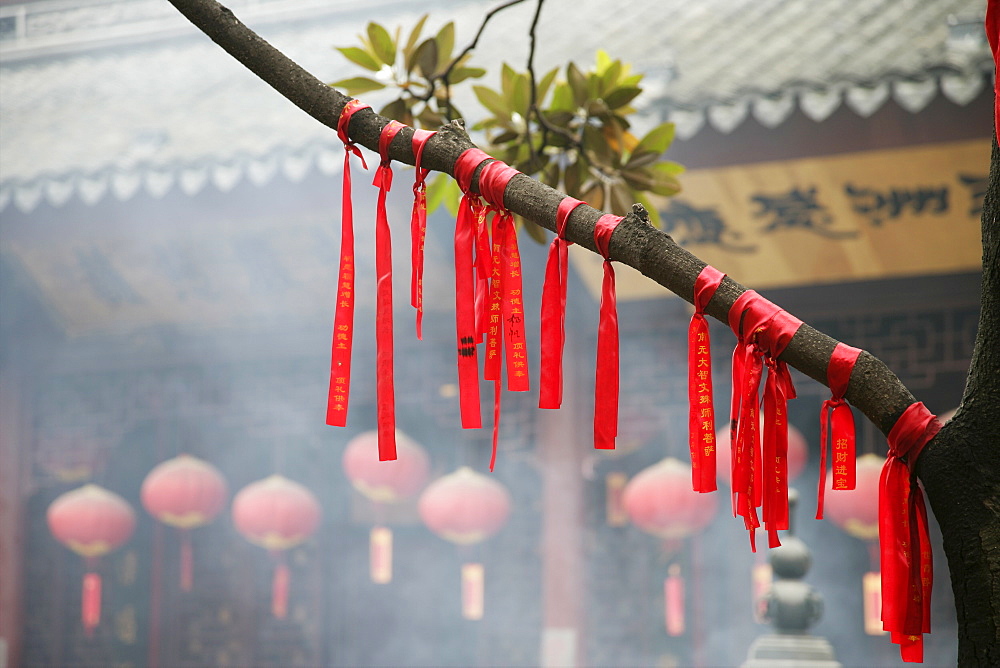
856, 512
184, 492
91, 521
466, 507
659, 500
384, 482
276, 514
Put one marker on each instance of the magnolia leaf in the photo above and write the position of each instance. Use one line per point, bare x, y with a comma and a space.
507, 77
430, 119
382, 44
521, 96
596, 145
535, 231
398, 110
414, 36
542, 86
578, 85
595, 196
563, 100
425, 58
609, 79
603, 61
442, 189
493, 101
621, 199
358, 85
360, 57
445, 42
460, 74
656, 140
619, 97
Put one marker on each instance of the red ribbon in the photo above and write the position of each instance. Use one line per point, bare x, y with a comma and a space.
470, 216
606, 387
907, 571
993, 36
343, 323
418, 228
836, 414
553, 331
760, 471
384, 386
701, 414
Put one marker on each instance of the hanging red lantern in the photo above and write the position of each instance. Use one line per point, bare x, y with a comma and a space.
465, 508
184, 492
91, 521
856, 512
384, 482
276, 514
659, 500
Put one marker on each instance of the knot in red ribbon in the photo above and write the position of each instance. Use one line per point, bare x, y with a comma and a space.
465, 167
343, 323
418, 228
553, 316
383, 175
701, 410
606, 386
493, 182
760, 474
904, 541
836, 414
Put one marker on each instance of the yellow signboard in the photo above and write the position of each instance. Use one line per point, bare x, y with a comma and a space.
857, 216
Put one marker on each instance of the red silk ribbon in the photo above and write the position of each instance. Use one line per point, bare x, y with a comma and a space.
553, 331
701, 413
471, 216
836, 415
418, 227
606, 386
993, 37
760, 467
384, 386
343, 323
907, 571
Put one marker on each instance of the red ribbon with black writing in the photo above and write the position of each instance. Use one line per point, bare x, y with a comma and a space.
907, 569
553, 316
760, 469
606, 387
385, 407
701, 412
343, 323
470, 214
836, 417
418, 227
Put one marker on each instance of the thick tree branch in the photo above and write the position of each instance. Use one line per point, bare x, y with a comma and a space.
873, 389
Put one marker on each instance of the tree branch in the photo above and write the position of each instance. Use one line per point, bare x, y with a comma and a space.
873, 389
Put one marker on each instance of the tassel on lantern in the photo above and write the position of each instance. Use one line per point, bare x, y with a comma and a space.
472, 591
872, 588
279, 589
90, 606
673, 595
187, 561
380, 555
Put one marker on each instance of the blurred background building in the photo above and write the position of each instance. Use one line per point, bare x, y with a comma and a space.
167, 269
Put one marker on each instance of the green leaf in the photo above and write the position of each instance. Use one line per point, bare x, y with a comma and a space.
609, 79
507, 78
358, 85
621, 199
521, 97
577, 83
442, 189
664, 179
445, 42
603, 61
360, 57
619, 97
414, 36
562, 99
425, 58
535, 231
656, 140
382, 44
493, 101
460, 74
430, 119
397, 110
542, 86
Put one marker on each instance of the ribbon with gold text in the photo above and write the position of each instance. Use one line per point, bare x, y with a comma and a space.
418, 228
907, 571
701, 413
553, 330
343, 322
606, 386
760, 468
836, 416
385, 407
470, 216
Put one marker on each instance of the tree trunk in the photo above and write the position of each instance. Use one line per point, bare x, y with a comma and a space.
960, 468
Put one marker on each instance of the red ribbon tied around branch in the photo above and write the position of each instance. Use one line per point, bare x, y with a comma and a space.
471, 216
701, 411
907, 570
760, 467
384, 386
993, 37
343, 323
418, 228
836, 416
553, 331
505, 316
606, 386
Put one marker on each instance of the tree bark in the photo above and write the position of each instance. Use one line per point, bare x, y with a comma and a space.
960, 468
